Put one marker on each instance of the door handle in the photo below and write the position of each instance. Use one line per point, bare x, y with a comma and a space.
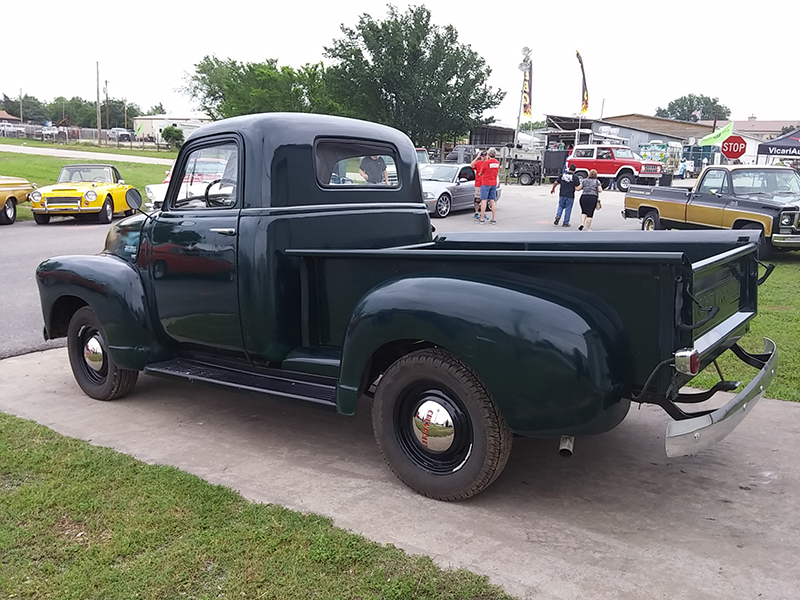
223, 230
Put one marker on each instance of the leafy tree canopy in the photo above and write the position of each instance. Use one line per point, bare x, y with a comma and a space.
156, 109
75, 111
694, 108
173, 136
227, 88
410, 74
532, 125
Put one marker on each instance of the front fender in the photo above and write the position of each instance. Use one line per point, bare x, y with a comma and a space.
553, 360
113, 288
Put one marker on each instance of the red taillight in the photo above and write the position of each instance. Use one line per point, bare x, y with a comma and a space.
687, 361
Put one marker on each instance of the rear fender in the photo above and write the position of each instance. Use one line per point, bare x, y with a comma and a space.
554, 362
113, 288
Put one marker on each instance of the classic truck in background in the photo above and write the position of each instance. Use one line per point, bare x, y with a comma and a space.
13, 191
762, 198
282, 278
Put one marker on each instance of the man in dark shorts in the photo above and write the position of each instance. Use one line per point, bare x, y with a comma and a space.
569, 183
373, 169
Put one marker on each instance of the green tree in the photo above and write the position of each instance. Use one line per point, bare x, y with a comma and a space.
410, 74
226, 88
156, 109
33, 111
173, 136
694, 108
788, 129
532, 125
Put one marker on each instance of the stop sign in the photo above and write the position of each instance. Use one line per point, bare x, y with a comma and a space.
734, 147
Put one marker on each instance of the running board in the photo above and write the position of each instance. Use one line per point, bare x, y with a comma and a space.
284, 384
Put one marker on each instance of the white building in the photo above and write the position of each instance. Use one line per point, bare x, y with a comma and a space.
153, 125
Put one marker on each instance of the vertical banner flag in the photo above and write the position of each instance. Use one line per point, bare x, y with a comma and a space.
526, 89
585, 94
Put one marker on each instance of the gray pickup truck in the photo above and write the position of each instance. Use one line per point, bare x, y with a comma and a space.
290, 277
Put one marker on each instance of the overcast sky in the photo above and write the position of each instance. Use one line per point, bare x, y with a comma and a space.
638, 55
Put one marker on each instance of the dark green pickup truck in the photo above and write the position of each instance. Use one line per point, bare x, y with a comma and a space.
304, 271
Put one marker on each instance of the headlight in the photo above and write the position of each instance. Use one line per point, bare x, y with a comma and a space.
786, 219
428, 195
91, 195
36, 196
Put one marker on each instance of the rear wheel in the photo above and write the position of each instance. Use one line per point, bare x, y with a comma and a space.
525, 179
41, 219
107, 212
9, 213
624, 182
437, 427
91, 363
443, 206
651, 221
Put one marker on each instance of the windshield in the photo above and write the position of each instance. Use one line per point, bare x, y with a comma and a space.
773, 182
623, 153
85, 173
437, 173
422, 156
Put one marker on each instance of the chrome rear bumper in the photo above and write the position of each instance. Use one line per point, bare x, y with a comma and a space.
693, 435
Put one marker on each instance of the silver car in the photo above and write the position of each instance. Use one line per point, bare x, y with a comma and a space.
447, 187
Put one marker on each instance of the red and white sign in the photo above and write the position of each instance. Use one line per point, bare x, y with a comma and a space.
734, 147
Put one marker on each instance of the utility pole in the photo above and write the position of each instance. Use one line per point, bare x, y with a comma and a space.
21, 121
125, 107
105, 89
99, 124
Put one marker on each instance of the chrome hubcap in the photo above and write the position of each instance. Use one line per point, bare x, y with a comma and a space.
93, 354
433, 426
9, 209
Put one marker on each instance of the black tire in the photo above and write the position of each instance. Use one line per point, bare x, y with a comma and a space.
443, 206
765, 247
95, 372
9, 213
107, 212
651, 221
525, 179
624, 182
41, 219
470, 457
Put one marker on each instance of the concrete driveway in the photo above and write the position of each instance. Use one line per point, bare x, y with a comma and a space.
78, 155
617, 520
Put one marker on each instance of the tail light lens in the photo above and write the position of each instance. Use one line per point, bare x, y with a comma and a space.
687, 361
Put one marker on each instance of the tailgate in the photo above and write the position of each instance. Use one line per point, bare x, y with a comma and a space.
713, 309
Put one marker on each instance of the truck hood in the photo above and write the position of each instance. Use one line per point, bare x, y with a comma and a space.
437, 187
784, 199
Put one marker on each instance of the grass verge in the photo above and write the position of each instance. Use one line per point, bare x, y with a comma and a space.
778, 319
44, 170
86, 522
123, 148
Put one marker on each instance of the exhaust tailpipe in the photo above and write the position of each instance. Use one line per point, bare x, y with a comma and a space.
566, 445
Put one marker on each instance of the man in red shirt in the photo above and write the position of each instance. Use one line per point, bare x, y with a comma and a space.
475, 164
489, 172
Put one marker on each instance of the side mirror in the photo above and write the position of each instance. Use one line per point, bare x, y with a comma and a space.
122, 182
133, 198
462, 180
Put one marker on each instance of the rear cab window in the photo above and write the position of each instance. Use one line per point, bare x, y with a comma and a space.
356, 164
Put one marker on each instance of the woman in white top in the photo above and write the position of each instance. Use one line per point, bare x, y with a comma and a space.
590, 200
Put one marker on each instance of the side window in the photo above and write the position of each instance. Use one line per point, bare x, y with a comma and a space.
714, 181
604, 154
209, 178
584, 153
467, 173
355, 163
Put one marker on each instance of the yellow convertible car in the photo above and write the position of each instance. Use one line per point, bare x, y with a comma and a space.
96, 190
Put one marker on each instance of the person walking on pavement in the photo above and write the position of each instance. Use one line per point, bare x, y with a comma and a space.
569, 182
475, 164
490, 177
590, 200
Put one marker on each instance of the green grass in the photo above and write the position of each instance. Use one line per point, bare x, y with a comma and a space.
778, 319
86, 522
44, 170
124, 148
